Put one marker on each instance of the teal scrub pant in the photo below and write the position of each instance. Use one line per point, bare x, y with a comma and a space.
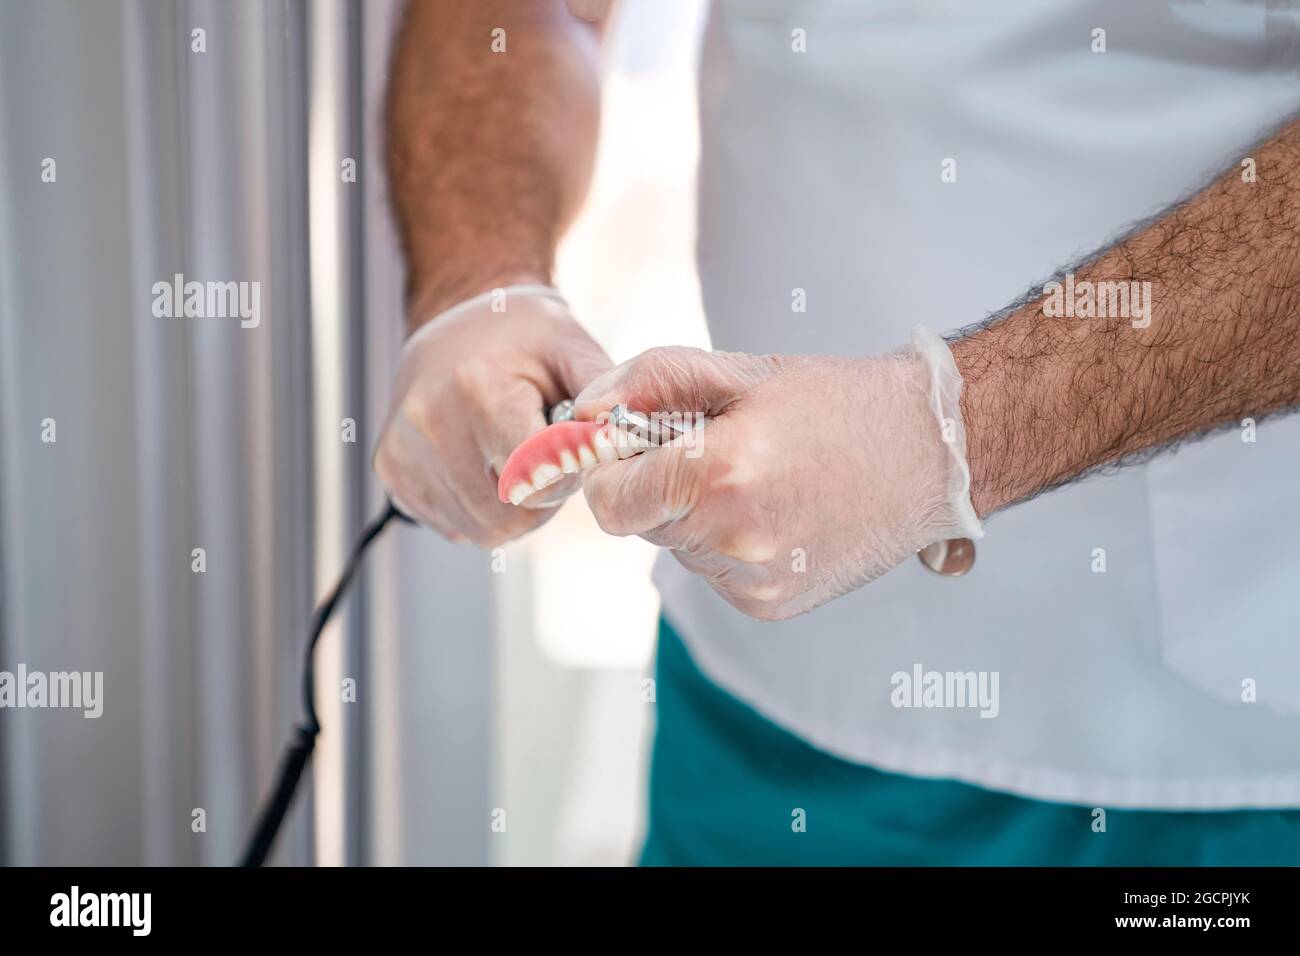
730, 788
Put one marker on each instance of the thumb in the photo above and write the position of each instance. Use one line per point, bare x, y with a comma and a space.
674, 379
644, 492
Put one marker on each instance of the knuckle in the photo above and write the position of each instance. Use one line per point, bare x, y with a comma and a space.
420, 408
471, 377
382, 464
760, 591
762, 608
491, 538
495, 536
489, 535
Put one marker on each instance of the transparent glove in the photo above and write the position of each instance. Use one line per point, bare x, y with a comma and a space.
471, 385
812, 475
593, 10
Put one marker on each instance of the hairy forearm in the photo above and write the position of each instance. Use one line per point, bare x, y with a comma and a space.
489, 150
1049, 397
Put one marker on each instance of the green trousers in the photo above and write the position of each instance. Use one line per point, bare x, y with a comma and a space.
729, 787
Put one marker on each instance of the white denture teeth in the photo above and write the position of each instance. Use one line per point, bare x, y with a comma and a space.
519, 492
546, 474
568, 463
586, 457
605, 450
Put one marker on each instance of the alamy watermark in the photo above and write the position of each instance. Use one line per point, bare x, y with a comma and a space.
77, 690
977, 690
1108, 299
133, 911
208, 300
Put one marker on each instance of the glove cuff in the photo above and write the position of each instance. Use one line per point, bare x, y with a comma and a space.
530, 289
945, 403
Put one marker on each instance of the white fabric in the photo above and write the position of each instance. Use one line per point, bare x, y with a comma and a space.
820, 171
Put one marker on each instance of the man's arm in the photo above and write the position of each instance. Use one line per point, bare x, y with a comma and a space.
492, 116
818, 473
1048, 398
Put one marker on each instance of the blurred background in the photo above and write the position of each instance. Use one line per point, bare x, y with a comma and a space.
213, 138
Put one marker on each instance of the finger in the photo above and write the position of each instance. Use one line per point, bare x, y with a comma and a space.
420, 493
645, 492
496, 523
452, 492
474, 486
552, 496
751, 588
673, 379
577, 363
501, 423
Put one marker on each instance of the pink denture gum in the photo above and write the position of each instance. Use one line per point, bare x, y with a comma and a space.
545, 456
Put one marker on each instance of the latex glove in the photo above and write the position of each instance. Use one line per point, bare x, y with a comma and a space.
593, 10
813, 475
471, 385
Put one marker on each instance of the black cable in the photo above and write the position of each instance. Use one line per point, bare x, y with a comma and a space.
299, 751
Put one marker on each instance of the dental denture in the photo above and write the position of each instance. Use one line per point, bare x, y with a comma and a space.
564, 448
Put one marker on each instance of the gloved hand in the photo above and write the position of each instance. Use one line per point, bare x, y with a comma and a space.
471, 385
813, 475
592, 10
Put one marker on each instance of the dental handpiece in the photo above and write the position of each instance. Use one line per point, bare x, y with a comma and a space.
561, 412
654, 430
